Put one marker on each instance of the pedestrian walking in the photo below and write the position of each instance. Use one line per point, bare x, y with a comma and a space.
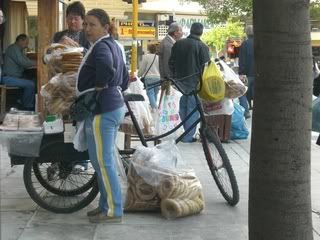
174, 34
187, 60
246, 68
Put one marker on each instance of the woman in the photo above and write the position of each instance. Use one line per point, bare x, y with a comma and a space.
104, 71
149, 69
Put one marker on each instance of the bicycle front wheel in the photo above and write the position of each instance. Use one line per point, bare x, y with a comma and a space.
57, 186
220, 166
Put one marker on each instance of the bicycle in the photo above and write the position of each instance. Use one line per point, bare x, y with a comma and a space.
54, 184
217, 159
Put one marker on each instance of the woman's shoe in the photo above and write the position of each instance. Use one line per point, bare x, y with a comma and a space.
94, 212
191, 141
104, 218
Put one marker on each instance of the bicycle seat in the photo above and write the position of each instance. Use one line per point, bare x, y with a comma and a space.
131, 97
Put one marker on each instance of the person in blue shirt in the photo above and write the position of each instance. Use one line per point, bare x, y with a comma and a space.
15, 63
246, 68
103, 70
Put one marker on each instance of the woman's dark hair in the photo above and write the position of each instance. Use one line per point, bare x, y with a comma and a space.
152, 48
101, 15
22, 37
76, 8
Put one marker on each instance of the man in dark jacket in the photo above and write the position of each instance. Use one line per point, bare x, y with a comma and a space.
246, 68
186, 63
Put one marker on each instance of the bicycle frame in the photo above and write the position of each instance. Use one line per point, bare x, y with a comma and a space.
198, 108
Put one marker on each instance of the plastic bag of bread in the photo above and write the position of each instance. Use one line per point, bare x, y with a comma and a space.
59, 93
234, 87
62, 58
141, 111
159, 179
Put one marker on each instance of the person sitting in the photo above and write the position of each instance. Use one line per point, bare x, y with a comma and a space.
15, 63
74, 35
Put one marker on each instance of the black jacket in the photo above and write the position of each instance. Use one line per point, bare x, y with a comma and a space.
187, 60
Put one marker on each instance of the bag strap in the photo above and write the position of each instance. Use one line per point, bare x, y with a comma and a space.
145, 74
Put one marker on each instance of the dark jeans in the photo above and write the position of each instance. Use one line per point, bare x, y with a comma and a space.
250, 90
244, 103
27, 86
187, 104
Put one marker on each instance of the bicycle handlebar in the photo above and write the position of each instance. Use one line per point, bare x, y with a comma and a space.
174, 81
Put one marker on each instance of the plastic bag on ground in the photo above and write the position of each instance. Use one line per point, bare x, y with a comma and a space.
159, 179
239, 129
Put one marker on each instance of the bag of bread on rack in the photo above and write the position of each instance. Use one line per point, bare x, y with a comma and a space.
62, 58
234, 87
59, 93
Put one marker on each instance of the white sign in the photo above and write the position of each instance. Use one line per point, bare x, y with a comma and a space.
186, 21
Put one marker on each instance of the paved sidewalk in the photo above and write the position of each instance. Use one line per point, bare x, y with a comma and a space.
22, 219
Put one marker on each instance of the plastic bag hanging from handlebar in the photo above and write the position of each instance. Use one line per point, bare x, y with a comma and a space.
213, 86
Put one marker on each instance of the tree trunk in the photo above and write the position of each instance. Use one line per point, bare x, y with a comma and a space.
279, 184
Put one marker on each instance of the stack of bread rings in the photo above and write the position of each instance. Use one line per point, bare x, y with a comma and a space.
180, 196
71, 61
176, 195
141, 196
63, 63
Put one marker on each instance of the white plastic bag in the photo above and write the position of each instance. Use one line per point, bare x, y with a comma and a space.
224, 107
234, 86
168, 117
140, 109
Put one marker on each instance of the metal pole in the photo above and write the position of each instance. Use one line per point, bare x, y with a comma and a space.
134, 52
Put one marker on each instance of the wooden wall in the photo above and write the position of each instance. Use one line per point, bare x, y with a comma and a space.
47, 26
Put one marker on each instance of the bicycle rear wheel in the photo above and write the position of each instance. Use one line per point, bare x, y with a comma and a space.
219, 165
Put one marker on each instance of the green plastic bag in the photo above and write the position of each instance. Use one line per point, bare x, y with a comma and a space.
213, 86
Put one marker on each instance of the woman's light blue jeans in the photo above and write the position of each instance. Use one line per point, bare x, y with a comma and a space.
101, 131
